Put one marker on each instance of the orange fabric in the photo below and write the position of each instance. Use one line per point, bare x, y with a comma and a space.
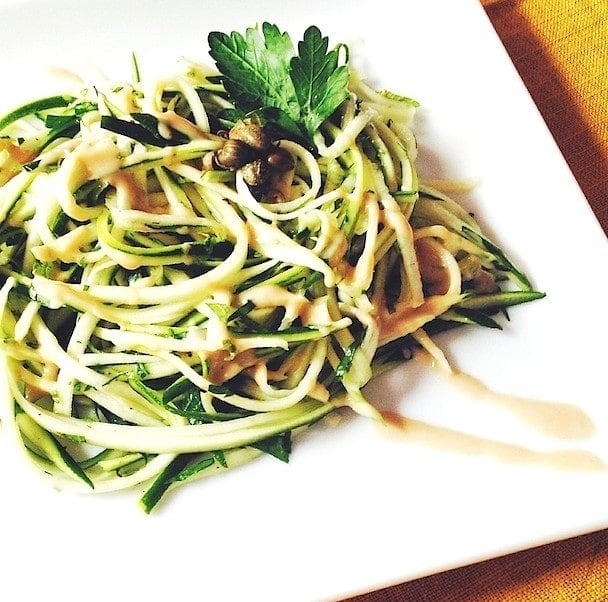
560, 48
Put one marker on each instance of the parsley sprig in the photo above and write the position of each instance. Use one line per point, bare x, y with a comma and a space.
262, 74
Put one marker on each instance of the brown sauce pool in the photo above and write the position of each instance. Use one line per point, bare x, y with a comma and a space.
562, 421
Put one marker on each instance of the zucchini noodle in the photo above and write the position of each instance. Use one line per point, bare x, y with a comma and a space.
162, 318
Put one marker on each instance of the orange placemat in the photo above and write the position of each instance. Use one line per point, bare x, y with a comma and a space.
560, 49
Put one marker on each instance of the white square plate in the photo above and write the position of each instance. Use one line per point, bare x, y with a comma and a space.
359, 506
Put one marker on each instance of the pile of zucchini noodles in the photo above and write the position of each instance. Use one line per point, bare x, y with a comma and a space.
162, 319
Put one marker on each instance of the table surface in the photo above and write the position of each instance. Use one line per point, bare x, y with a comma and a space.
560, 49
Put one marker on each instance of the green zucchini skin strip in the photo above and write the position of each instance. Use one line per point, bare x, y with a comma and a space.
50, 447
502, 299
30, 108
188, 467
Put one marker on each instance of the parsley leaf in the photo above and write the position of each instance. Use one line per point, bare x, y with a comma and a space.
255, 68
321, 85
262, 74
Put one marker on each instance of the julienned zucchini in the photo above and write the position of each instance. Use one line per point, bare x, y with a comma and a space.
194, 268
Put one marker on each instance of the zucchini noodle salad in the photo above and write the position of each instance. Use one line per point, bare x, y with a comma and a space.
194, 268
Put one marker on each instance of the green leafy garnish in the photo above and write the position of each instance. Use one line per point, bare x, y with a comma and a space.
320, 82
278, 446
262, 74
